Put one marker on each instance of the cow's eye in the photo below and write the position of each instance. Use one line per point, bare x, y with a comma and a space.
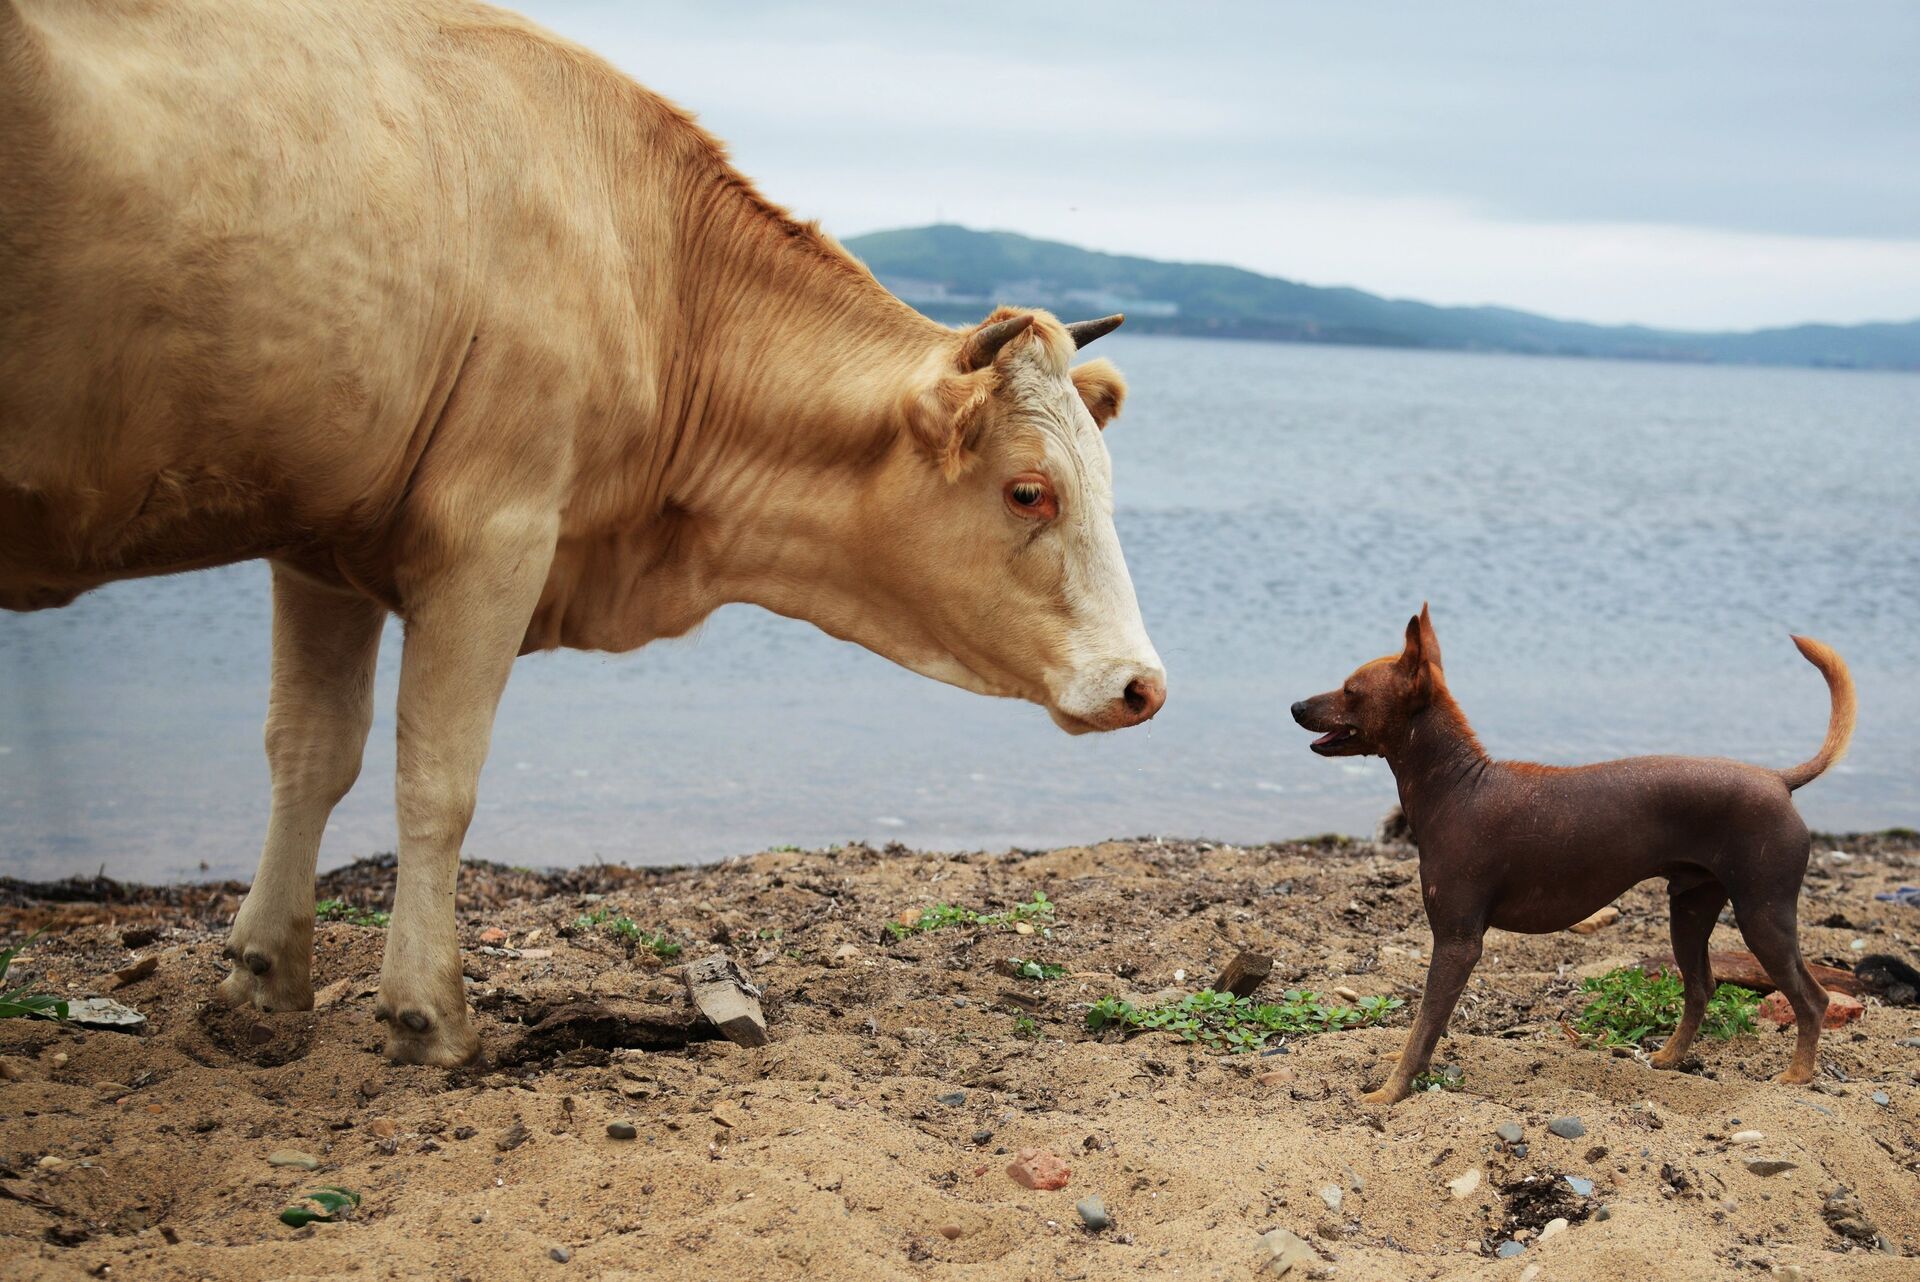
1032, 497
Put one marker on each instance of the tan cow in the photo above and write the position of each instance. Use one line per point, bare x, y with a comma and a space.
450, 320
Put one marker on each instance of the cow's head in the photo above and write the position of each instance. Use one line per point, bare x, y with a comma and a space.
992, 538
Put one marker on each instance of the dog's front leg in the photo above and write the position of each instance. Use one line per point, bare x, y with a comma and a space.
1454, 958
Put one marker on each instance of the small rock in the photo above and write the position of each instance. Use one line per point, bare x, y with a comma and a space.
1284, 1252
1770, 1165
1789, 1273
1509, 1132
846, 953
909, 916
1345, 994
1529, 1273
293, 1157
1882, 1098
382, 1128
1841, 1009
1747, 1137
1583, 1187
951, 1232
493, 935
1508, 1249
981, 1136
1038, 1168
1603, 1214
137, 971
1023, 928
1567, 1128
1275, 1077
1599, 920
104, 1012
1464, 1185
1553, 1228
621, 1131
952, 1099
515, 1136
559, 1255
112, 1090
1093, 1213
1332, 1196
12, 1070
59, 1058
729, 1114
51, 1162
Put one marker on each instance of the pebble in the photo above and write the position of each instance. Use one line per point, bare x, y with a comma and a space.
621, 1131
1581, 1186
1529, 1273
1023, 928
1275, 1077
1882, 1098
1285, 1251
1553, 1228
1567, 1128
493, 935
1770, 1165
951, 1232
981, 1136
1509, 1132
1346, 994
60, 1057
1911, 1043
293, 1157
1790, 1273
1038, 1168
1603, 1214
1508, 1249
52, 1163
11, 1070
1748, 1137
1093, 1213
1464, 1185
1332, 1196
846, 952
382, 1128
952, 1099
560, 1255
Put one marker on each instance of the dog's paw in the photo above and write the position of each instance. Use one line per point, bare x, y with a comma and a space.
1794, 1077
1382, 1098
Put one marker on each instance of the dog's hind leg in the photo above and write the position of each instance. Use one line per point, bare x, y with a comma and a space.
1453, 961
1693, 911
1769, 921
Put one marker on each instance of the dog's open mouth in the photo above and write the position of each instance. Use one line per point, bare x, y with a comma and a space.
1332, 740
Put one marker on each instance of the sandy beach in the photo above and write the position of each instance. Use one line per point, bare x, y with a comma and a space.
871, 1138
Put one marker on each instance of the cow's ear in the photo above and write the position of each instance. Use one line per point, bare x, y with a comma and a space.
946, 418
1102, 388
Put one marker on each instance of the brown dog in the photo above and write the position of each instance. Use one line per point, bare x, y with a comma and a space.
1537, 848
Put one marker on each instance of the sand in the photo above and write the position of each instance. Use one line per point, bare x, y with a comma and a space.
830, 1153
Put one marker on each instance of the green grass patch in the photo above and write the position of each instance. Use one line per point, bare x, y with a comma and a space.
941, 916
1035, 969
341, 910
627, 931
1223, 1022
1628, 1006
1025, 1028
1447, 1077
19, 1002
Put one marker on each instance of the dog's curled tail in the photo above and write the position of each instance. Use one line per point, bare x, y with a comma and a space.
1839, 723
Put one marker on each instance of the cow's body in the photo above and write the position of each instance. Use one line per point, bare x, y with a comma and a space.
451, 320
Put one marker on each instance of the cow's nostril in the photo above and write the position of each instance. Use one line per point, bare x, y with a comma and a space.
1142, 698
1135, 697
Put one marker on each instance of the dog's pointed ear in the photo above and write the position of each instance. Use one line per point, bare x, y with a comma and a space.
1429, 643
1413, 657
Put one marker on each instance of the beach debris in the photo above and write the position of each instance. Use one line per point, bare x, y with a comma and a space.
729, 1114
1332, 1195
1888, 978
1770, 1165
1567, 1128
1598, 920
1553, 1228
1844, 1215
1509, 1133
621, 1131
492, 935
1246, 972
104, 1012
721, 991
383, 1128
1745, 970
1746, 1137
1882, 1098
293, 1157
1038, 1168
323, 1205
1093, 1212
1285, 1252
1464, 1184
1508, 1249
951, 1232
1579, 1184
513, 1137
1906, 896
138, 971
1841, 1009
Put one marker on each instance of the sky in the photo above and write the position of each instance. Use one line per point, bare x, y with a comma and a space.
1707, 165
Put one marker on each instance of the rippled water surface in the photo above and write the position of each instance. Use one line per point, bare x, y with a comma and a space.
1615, 554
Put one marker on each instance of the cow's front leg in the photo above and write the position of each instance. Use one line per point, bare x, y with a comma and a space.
465, 623
325, 644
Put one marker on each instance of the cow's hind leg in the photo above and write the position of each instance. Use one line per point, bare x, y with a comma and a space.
465, 624
1694, 910
325, 644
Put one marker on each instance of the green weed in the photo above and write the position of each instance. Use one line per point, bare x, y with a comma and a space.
341, 910
1223, 1022
1628, 1006
1035, 969
940, 916
627, 931
17, 1002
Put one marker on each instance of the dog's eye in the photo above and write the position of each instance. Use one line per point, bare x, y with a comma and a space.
1352, 694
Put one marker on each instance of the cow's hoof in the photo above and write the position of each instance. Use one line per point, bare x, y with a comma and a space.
415, 1036
268, 978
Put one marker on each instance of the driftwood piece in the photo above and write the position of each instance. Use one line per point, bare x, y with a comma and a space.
721, 992
605, 1026
1745, 970
1246, 972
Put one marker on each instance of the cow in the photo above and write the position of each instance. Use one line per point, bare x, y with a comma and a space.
446, 318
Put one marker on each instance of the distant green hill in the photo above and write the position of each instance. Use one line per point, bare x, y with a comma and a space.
955, 274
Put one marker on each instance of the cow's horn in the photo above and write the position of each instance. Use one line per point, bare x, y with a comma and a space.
1085, 332
987, 341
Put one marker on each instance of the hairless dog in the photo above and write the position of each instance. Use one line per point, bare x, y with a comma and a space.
1535, 848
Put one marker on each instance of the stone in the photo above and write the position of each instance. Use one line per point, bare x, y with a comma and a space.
1509, 1132
981, 1136
951, 1232
1246, 972
1770, 1165
723, 993
12, 1070
1553, 1228
729, 1114
559, 1255
1529, 1273
1747, 1137
1093, 1213
137, 971
1567, 1128
1275, 1077
846, 953
1346, 994
621, 1131
1332, 1196
1508, 1249
104, 1012
493, 935
1038, 1168
1841, 1009
1022, 928
1600, 919
1583, 1187
1603, 1214
1463, 1185
1789, 1273
382, 1128
513, 1137
293, 1157
952, 1099
1882, 1099
1284, 1252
